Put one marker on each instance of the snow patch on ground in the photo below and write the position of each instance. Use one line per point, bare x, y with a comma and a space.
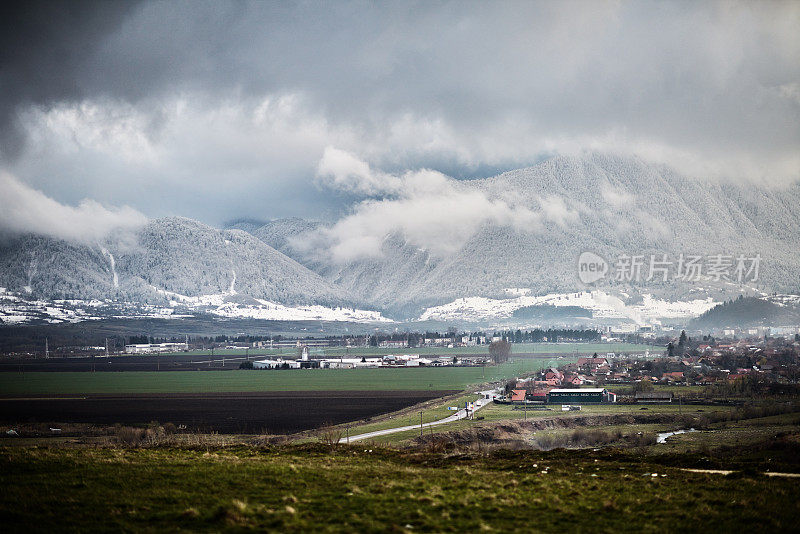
785, 300
113, 264
266, 310
602, 305
517, 291
15, 309
277, 312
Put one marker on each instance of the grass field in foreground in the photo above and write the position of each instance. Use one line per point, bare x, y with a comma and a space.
428, 378
305, 489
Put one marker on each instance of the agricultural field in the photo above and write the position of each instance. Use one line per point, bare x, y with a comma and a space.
239, 401
281, 412
316, 487
422, 378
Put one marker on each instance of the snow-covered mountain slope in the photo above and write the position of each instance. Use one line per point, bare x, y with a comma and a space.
279, 233
172, 254
611, 206
614, 206
608, 205
383, 280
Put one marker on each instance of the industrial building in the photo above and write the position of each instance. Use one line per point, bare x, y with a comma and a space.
653, 397
147, 348
580, 396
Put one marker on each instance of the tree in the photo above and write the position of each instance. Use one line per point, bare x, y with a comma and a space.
643, 385
683, 339
499, 351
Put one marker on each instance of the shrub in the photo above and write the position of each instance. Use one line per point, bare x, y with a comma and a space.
547, 442
642, 439
128, 435
330, 435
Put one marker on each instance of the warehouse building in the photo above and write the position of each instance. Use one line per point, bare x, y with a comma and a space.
149, 348
580, 396
653, 397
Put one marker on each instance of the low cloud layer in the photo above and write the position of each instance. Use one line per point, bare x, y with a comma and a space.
427, 209
29, 210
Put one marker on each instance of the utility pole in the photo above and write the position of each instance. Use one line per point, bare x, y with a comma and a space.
46, 349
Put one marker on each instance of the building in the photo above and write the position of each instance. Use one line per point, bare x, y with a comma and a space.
148, 348
268, 364
518, 395
393, 344
580, 396
286, 364
653, 397
592, 363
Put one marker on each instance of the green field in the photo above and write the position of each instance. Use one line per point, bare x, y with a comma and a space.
422, 378
354, 489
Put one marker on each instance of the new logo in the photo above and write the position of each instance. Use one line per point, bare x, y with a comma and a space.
591, 267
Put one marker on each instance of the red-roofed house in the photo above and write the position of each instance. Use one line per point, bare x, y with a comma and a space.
676, 376
592, 363
518, 395
553, 374
575, 380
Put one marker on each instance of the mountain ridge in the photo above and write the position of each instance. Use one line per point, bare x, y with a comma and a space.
608, 205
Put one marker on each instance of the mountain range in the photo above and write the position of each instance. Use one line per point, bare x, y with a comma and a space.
607, 205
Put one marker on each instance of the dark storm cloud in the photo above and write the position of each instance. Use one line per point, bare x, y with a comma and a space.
232, 104
45, 46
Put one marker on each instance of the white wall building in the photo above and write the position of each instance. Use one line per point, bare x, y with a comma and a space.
148, 348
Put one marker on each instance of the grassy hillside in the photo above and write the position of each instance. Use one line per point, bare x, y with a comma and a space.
310, 488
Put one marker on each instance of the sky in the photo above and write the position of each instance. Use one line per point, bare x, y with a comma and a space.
121, 111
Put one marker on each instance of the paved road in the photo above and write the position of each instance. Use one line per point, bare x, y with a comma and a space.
460, 414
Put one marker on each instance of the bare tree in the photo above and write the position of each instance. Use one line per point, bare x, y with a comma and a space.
330, 435
500, 351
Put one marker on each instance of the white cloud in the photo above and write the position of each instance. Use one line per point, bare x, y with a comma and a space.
341, 170
555, 209
28, 210
617, 198
428, 209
